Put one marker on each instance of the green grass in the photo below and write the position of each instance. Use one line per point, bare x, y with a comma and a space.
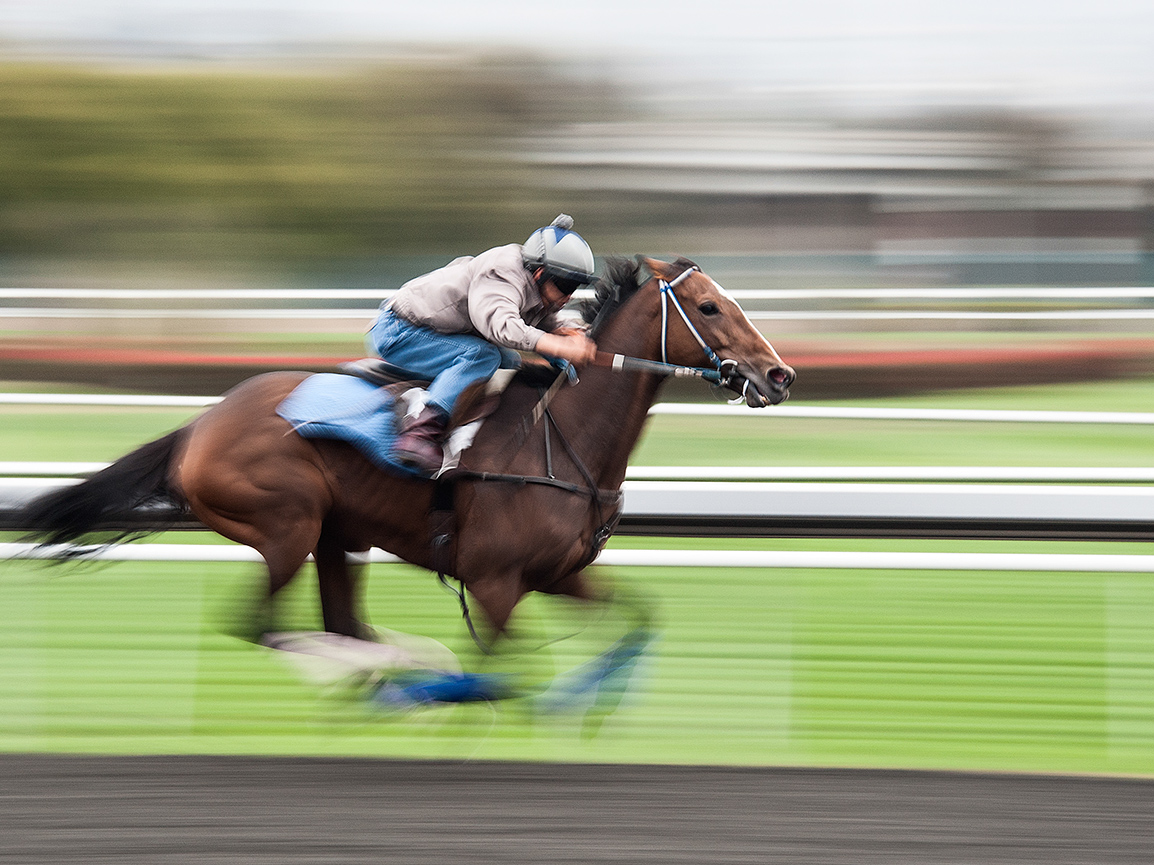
687, 440
1047, 672
1136, 394
81, 433
1034, 672
763, 439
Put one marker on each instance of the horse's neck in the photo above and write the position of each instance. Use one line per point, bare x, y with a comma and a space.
601, 419
605, 416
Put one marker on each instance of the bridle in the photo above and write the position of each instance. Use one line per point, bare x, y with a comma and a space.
722, 372
668, 296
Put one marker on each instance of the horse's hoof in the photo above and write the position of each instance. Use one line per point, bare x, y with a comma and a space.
401, 694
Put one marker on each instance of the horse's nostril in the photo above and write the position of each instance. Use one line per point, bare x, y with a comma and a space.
781, 375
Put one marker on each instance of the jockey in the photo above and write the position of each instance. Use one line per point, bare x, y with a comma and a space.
460, 323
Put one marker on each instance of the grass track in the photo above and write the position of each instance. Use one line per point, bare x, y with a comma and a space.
1036, 672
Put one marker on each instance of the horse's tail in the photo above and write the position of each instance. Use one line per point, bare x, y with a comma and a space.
108, 501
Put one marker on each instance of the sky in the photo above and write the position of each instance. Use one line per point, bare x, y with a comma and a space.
1031, 52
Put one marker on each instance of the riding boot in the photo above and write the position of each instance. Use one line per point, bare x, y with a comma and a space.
419, 444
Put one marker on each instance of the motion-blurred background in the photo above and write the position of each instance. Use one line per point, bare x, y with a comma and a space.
816, 149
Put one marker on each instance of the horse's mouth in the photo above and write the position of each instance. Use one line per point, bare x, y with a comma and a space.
760, 391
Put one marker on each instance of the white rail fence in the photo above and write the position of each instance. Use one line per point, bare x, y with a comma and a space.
790, 559
1091, 293
701, 409
367, 315
769, 500
818, 509
1092, 303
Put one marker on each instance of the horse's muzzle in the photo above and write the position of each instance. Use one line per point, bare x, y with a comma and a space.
770, 389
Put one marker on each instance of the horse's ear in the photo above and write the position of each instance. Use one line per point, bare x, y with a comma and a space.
658, 268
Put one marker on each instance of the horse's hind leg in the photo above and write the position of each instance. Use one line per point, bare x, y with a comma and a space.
284, 558
339, 582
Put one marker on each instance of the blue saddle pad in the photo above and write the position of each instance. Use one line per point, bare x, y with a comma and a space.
344, 407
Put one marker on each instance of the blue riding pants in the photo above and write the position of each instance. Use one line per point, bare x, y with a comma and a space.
450, 361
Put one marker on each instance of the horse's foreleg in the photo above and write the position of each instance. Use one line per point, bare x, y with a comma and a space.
602, 683
338, 580
575, 585
635, 610
497, 595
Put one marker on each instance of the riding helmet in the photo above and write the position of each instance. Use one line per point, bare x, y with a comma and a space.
562, 252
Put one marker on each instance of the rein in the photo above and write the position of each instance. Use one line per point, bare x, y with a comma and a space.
625, 363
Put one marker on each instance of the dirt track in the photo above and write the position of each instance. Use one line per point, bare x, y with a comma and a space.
255, 811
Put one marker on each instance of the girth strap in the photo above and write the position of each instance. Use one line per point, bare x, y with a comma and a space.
443, 524
602, 496
442, 529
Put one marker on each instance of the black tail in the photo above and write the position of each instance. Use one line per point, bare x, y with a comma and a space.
110, 501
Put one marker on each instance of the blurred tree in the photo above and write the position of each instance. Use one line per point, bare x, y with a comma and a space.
271, 167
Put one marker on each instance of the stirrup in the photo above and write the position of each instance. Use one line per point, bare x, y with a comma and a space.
417, 462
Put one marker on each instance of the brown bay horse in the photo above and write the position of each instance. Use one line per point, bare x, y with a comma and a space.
535, 496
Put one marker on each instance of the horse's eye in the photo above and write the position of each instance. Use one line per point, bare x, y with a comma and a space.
708, 308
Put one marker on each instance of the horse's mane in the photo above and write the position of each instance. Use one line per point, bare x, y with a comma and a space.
620, 282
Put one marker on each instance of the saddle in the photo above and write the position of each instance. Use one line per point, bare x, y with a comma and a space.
538, 373
380, 372
475, 404
369, 401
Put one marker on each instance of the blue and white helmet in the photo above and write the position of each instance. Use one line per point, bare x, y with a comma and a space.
562, 252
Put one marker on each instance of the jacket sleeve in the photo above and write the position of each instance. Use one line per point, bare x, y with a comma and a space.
495, 311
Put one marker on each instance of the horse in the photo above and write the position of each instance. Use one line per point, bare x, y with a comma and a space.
530, 505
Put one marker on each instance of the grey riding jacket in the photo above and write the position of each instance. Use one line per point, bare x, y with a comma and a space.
491, 295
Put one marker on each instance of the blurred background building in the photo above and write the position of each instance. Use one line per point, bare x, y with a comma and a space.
986, 197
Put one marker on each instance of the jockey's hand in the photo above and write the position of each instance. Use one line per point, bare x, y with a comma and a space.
568, 344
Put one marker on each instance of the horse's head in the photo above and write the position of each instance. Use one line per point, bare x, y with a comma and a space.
702, 317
